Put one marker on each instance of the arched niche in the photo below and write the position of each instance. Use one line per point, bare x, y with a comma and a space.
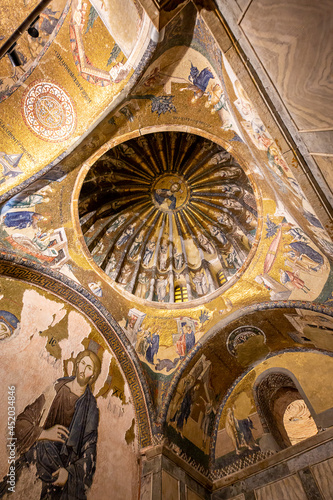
275, 393
298, 375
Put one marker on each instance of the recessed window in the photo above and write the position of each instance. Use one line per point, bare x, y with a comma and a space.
298, 422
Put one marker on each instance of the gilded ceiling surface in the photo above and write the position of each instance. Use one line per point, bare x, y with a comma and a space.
63, 83
145, 183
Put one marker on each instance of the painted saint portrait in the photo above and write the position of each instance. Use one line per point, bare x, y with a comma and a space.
57, 433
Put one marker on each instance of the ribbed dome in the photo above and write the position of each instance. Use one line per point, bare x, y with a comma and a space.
169, 216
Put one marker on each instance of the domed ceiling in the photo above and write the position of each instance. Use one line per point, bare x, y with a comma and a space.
170, 217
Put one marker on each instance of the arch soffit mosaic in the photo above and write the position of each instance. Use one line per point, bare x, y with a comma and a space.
275, 370
213, 338
211, 343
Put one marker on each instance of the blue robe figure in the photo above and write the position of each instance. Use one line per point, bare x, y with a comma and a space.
164, 194
77, 454
184, 411
149, 250
245, 427
189, 337
200, 78
154, 343
20, 220
304, 249
57, 433
125, 236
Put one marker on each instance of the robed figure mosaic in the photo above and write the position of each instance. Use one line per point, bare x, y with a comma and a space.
58, 433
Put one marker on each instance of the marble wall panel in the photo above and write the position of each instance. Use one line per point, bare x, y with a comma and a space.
319, 141
191, 495
323, 473
243, 4
170, 486
325, 163
289, 488
292, 40
146, 488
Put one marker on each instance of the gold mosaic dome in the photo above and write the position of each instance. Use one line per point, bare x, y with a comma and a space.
170, 217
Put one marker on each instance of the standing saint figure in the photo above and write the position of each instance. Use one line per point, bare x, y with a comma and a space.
58, 432
125, 236
143, 285
149, 250
153, 346
163, 256
135, 246
200, 283
178, 258
293, 279
161, 288
186, 340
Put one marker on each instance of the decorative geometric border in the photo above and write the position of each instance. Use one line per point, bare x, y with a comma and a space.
74, 294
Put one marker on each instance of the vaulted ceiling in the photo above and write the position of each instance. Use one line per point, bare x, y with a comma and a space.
148, 167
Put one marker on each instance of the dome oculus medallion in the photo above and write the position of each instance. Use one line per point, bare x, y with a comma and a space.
170, 217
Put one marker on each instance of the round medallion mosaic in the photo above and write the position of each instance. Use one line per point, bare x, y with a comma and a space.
170, 193
49, 111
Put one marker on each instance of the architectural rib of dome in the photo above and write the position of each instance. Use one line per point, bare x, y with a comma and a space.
169, 216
